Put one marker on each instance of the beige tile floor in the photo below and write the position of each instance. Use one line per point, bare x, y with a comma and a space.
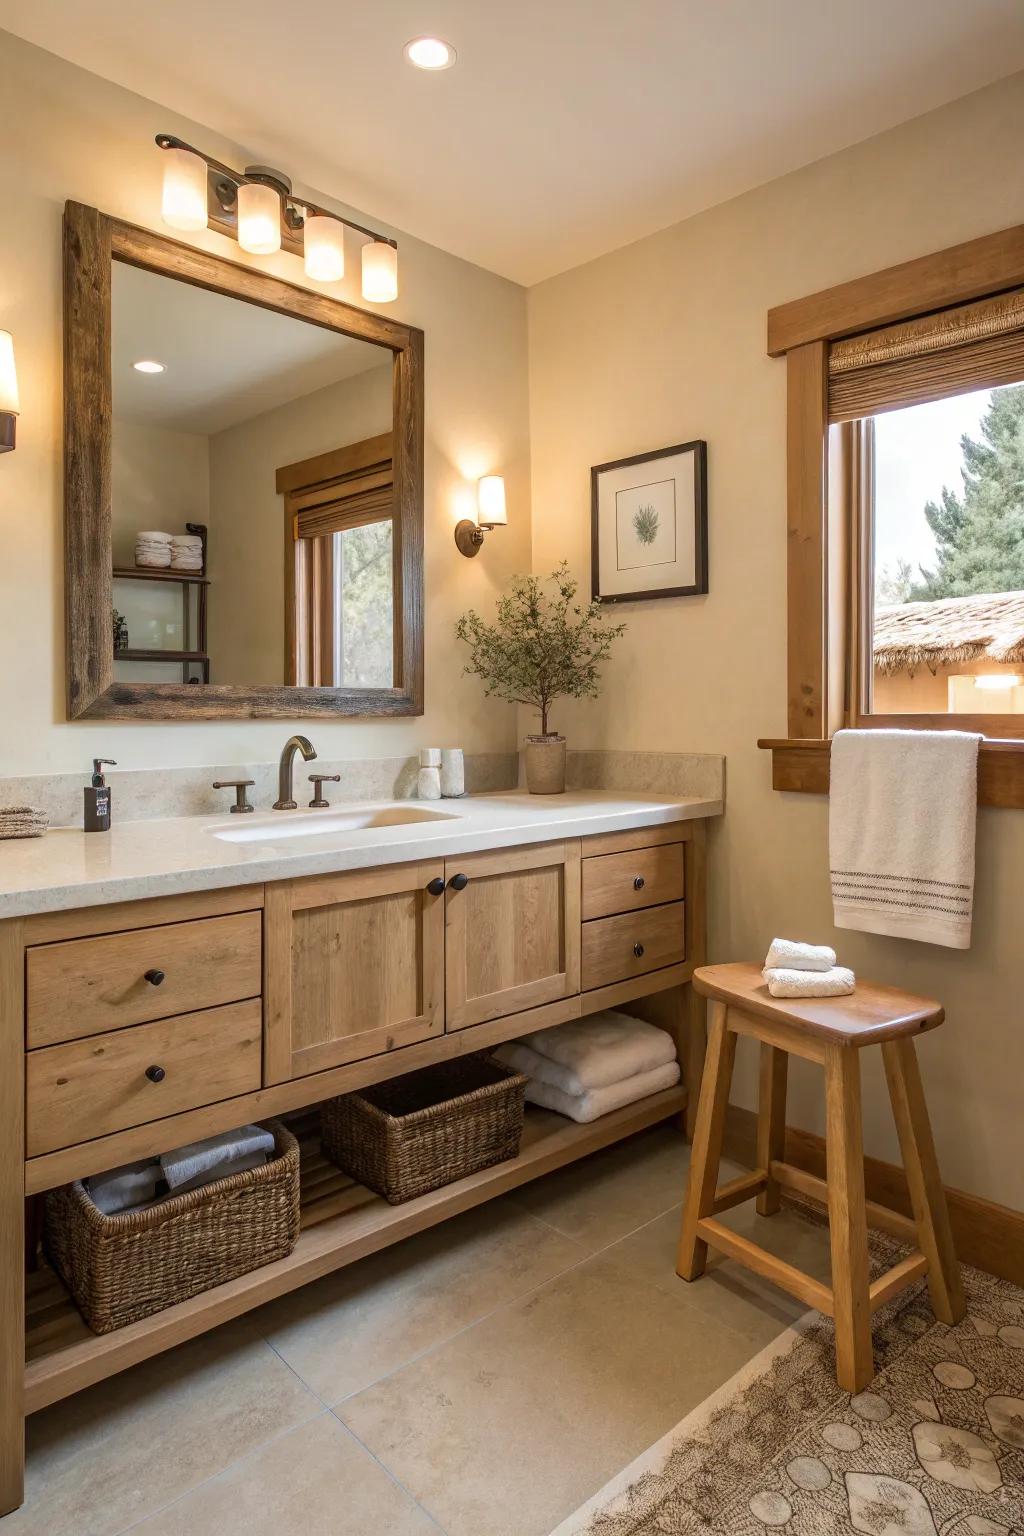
481, 1379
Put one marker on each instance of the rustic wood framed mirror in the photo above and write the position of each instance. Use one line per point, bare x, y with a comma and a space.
258, 402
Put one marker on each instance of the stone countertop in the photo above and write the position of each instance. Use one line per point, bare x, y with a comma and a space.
137, 859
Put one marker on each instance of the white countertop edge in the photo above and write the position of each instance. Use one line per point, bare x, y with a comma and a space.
37, 883
488, 821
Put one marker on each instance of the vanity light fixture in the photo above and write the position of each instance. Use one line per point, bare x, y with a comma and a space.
257, 208
9, 403
431, 53
148, 365
491, 513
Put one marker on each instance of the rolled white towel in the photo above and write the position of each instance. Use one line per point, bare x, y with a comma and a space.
789, 954
784, 981
584, 1107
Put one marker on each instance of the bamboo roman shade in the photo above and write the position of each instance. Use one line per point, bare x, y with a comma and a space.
975, 346
351, 511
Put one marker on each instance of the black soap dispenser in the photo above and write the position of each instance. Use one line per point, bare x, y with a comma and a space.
97, 797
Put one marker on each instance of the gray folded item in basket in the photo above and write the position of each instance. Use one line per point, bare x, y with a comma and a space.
200, 1162
125, 1189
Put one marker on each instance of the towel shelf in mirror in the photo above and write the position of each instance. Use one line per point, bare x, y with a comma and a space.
803, 766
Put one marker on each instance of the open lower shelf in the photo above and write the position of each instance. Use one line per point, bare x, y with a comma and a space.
341, 1222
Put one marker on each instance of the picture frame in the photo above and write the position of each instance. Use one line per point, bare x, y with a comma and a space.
649, 525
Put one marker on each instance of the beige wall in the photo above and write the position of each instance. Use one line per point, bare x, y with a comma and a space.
664, 341
69, 134
247, 549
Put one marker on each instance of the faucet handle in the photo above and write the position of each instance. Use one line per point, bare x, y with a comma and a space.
239, 786
318, 803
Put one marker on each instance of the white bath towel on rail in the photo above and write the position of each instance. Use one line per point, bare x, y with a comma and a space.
902, 814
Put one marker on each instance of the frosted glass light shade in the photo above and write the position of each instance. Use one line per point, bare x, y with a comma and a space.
184, 196
8, 376
380, 272
259, 219
490, 502
323, 243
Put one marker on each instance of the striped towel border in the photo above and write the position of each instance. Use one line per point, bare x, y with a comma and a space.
913, 893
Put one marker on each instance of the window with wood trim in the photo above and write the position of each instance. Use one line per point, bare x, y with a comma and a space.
927, 435
341, 569
905, 497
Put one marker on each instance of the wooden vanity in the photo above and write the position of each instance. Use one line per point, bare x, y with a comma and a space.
130, 1028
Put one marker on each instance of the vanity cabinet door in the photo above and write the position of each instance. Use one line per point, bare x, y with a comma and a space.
512, 931
354, 966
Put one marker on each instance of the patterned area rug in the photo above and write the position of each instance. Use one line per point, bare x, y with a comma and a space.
935, 1446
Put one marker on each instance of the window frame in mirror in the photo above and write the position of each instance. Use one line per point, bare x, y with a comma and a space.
93, 241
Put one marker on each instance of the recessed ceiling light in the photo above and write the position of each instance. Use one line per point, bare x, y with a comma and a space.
430, 53
147, 365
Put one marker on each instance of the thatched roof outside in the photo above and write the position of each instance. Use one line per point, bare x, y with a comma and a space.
986, 627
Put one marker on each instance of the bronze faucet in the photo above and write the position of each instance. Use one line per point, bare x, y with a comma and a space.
285, 800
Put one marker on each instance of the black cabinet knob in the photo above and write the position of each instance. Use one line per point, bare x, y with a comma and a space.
639, 882
155, 1074
638, 950
459, 882
435, 886
154, 977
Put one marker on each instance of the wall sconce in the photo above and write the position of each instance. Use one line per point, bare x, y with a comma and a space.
490, 513
9, 405
257, 208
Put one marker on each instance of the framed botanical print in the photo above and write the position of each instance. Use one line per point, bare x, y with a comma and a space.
649, 525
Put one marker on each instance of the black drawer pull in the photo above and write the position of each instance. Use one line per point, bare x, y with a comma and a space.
459, 882
155, 1074
435, 886
638, 950
639, 882
155, 977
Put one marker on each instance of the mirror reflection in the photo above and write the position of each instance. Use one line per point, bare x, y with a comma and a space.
252, 494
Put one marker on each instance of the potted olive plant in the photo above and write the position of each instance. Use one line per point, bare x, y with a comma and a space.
542, 646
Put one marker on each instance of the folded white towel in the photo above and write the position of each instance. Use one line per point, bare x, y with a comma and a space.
792, 955
785, 982
596, 1102
902, 815
128, 1188
603, 1048
540, 1069
185, 1164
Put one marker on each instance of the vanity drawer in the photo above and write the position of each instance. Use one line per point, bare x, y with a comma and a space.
84, 986
617, 948
624, 882
91, 1087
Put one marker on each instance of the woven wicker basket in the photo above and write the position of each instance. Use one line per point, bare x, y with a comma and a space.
125, 1267
415, 1133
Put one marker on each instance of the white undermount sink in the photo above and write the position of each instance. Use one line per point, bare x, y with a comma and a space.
288, 824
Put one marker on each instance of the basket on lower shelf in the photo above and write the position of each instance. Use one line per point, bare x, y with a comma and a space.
418, 1132
125, 1267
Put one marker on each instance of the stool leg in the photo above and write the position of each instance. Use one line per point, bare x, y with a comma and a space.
927, 1195
771, 1122
706, 1151
847, 1218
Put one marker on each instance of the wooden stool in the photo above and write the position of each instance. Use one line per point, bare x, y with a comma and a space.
830, 1031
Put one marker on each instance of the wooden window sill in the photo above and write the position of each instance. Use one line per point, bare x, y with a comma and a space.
803, 766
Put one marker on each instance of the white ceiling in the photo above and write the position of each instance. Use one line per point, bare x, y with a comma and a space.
225, 361
567, 127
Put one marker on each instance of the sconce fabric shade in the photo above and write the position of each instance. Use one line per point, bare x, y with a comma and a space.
380, 272
9, 403
8, 376
184, 198
323, 244
259, 219
490, 502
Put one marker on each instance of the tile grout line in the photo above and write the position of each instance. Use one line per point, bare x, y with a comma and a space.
228, 1467
388, 1472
